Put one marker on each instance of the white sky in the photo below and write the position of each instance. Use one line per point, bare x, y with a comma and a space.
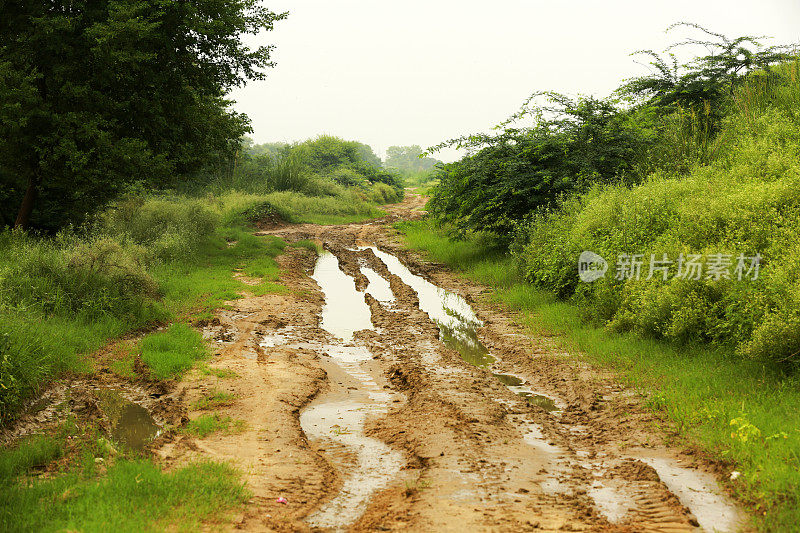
415, 72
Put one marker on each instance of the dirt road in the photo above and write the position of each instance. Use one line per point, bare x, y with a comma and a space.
381, 392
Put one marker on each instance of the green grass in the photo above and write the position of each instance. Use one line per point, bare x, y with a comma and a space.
205, 283
221, 373
29, 453
343, 208
171, 352
737, 409
205, 425
213, 399
308, 245
133, 495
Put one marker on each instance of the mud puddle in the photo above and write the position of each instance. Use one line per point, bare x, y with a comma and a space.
458, 326
378, 287
457, 321
519, 386
345, 310
698, 491
130, 423
336, 420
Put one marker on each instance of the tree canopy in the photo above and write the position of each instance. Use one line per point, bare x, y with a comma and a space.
409, 159
97, 94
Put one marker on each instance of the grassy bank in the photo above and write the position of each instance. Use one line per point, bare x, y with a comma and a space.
96, 488
740, 410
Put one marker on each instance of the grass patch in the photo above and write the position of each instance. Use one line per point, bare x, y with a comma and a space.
205, 425
739, 410
215, 398
205, 282
131, 496
171, 352
30, 452
221, 373
308, 245
119, 492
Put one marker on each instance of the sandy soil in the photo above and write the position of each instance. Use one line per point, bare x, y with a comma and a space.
393, 431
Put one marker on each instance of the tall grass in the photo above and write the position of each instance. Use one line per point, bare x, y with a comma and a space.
132, 496
350, 206
264, 174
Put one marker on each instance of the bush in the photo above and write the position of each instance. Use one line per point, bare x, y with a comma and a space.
170, 229
67, 277
745, 200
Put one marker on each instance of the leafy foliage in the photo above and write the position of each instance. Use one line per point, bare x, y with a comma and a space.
708, 80
96, 95
574, 143
744, 200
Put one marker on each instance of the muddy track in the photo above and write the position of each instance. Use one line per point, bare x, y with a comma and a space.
380, 392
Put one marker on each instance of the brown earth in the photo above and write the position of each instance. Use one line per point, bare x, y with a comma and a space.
475, 456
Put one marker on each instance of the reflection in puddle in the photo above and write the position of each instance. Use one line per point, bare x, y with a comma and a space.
376, 464
345, 310
517, 385
131, 424
378, 287
456, 320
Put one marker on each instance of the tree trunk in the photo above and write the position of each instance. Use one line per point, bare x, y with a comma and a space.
25, 209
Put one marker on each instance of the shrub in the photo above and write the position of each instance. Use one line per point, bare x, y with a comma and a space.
169, 229
746, 199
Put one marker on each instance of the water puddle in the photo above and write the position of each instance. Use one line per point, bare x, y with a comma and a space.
375, 463
345, 310
611, 503
340, 415
457, 321
519, 386
131, 424
699, 492
535, 437
378, 287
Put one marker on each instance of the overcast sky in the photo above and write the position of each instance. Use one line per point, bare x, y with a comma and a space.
419, 72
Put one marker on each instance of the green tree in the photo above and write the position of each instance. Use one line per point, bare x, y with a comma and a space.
97, 94
328, 152
410, 159
707, 81
573, 144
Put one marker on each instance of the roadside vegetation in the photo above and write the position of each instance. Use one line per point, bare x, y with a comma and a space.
102, 488
698, 160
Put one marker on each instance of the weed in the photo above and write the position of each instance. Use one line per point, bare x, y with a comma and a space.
205, 425
215, 398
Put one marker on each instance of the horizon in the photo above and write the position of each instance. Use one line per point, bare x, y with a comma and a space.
372, 84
